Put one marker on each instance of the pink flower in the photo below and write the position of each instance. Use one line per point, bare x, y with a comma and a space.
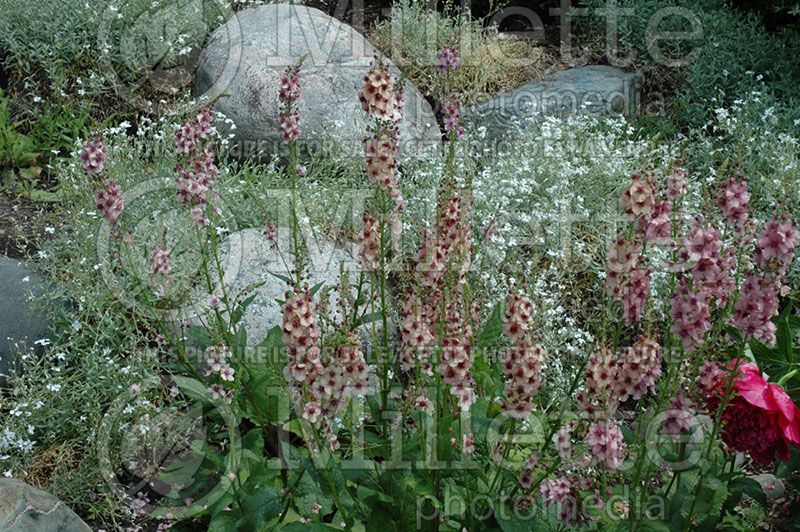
370, 243
378, 96
733, 199
691, 317
109, 201
518, 317
160, 260
601, 380
678, 417
676, 183
607, 443
522, 368
621, 260
415, 334
755, 308
381, 162
301, 336
702, 243
634, 295
639, 369
226, 373
192, 132
448, 60
290, 126
289, 91
639, 198
760, 418
93, 157
451, 114
658, 229
563, 441
775, 246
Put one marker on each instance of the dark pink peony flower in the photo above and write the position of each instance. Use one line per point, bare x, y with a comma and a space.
760, 418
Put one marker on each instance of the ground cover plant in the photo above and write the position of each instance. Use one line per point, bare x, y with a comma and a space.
595, 329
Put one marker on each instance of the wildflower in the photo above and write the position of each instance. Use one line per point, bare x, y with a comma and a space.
93, 157
676, 183
658, 228
634, 295
416, 336
621, 260
370, 243
691, 316
708, 376
639, 369
755, 308
522, 367
733, 200
448, 60
702, 243
468, 443
456, 362
678, 417
290, 125
300, 336
226, 373
378, 96
217, 392
160, 260
607, 443
289, 91
451, 114
423, 404
523, 362
109, 201
518, 317
563, 441
600, 384
381, 162
189, 136
270, 232
555, 490
639, 198
776, 245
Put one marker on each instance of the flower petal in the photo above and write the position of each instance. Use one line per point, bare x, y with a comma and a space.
783, 401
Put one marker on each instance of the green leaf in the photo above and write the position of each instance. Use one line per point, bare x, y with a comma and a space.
259, 508
224, 522
316, 288
492, 332
308, 527
242, 308
283, 278
784, 335
193, 388
749, 487
368, 318
199, 335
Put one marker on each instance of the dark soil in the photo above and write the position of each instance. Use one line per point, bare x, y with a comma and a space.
22, 225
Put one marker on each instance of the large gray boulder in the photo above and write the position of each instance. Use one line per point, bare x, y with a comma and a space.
250, 267
22, 325
24, 508
242, 63
595, 90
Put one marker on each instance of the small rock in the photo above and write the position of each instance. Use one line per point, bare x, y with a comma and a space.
20, 322
242, 65
24, 508
773, 486
596, 90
